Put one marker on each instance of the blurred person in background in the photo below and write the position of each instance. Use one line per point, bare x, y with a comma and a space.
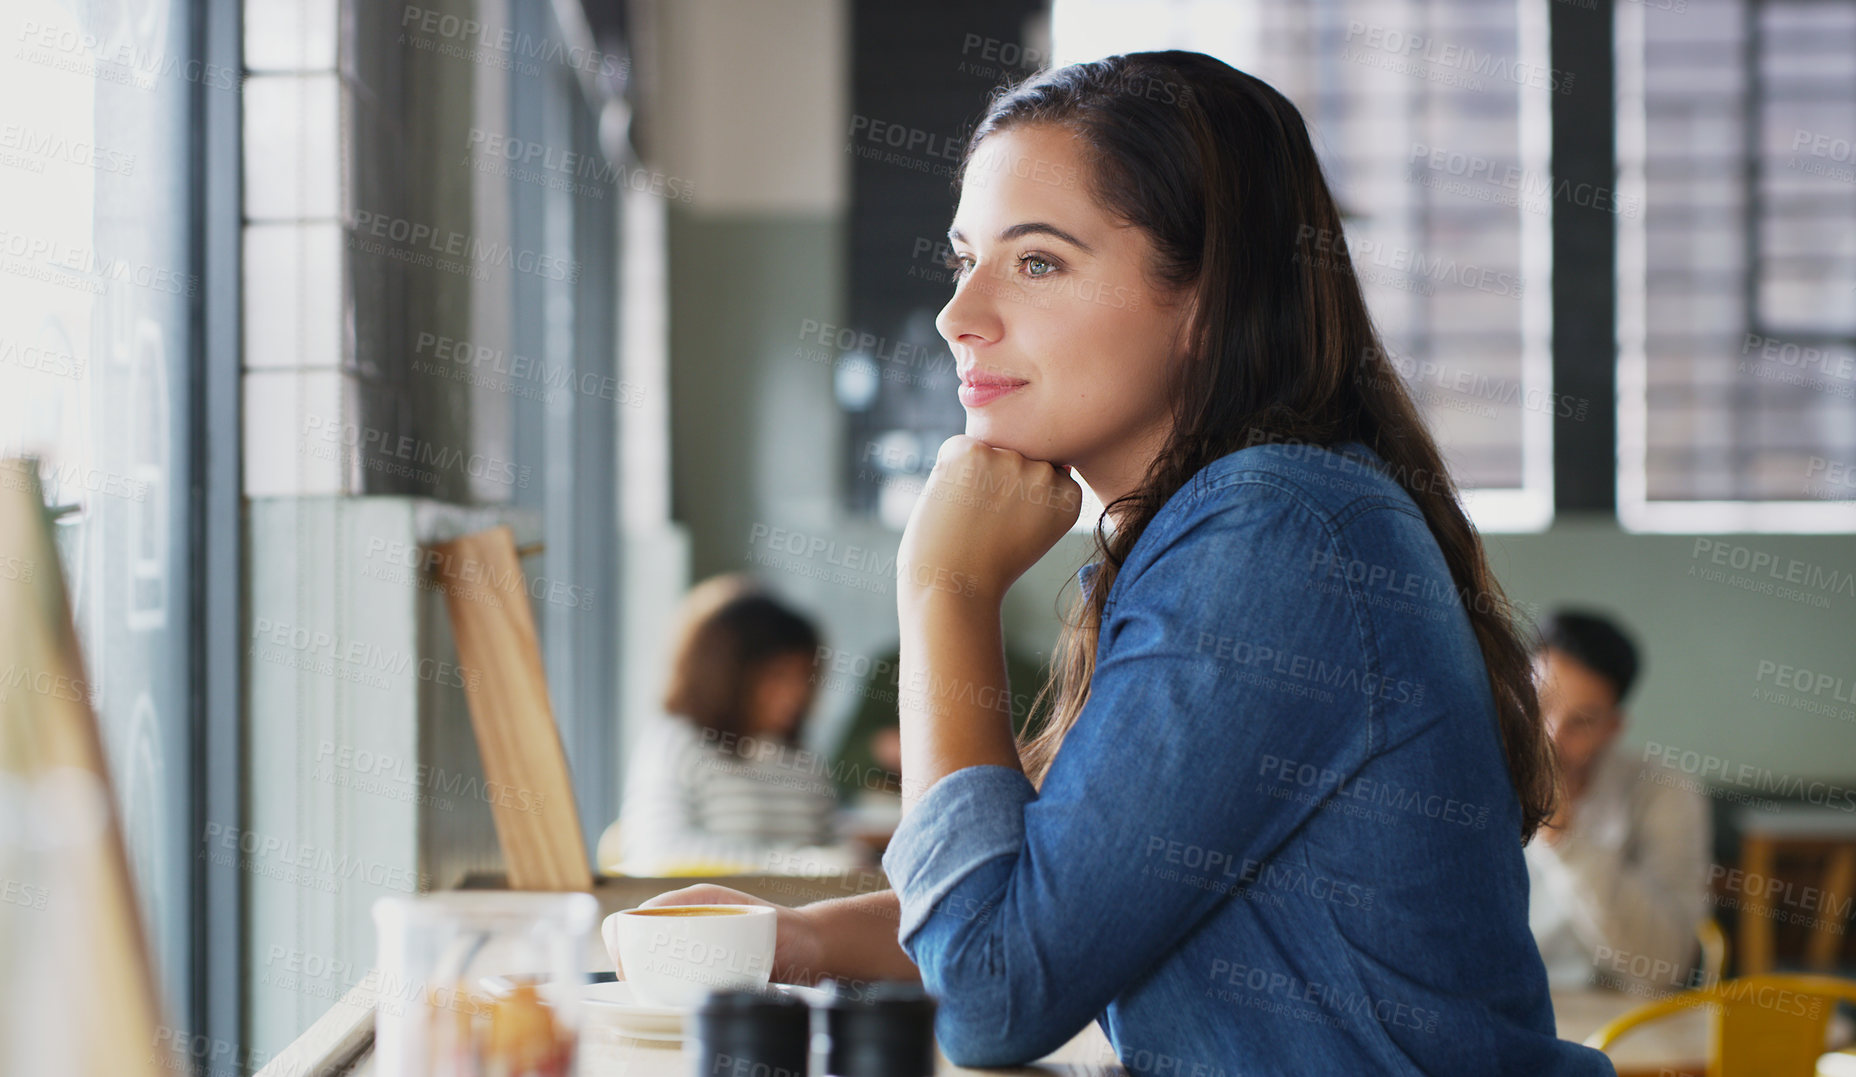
719, 780
867, 766
869, 756
1619, 881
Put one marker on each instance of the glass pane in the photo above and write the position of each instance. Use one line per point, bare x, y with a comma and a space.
95, 340
1431, 122
1738, 334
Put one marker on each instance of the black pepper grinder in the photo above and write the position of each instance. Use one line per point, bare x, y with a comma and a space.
752, 1032
883, 1028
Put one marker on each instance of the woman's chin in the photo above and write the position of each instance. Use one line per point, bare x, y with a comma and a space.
994, 433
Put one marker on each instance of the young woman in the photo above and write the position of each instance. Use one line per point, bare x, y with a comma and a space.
718, 780
1274, 821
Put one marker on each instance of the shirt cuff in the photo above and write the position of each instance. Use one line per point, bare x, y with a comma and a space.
971, 816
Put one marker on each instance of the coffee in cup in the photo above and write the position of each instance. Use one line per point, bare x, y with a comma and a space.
674, 955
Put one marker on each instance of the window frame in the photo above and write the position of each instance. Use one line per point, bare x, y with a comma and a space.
1636, 511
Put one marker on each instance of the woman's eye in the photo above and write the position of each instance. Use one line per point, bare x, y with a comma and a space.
1034, 265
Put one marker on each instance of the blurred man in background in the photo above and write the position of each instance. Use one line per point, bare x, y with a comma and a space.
1619, 875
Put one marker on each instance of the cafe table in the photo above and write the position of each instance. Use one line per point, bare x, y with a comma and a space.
340, 1044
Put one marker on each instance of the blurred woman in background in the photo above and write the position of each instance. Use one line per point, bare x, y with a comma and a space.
718, 781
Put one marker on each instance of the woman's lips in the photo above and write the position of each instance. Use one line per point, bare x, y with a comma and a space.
987, 391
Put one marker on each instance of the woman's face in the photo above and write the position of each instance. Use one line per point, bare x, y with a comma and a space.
781, 696
1051, 291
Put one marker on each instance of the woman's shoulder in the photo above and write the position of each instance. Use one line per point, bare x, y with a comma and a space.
1262, 488
1287, 509
1323, 479
665, 736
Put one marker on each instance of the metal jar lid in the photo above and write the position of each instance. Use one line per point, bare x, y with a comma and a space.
756, 1032
883, 1028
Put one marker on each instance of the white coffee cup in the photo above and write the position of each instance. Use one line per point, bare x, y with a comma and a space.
673, 955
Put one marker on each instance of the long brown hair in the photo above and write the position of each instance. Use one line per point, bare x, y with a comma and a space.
729, 628
1216, 167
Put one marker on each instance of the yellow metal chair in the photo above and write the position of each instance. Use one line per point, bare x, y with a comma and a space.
1764, 1026
1713, 951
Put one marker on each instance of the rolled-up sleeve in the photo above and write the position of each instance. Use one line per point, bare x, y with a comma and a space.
974, 815
1028, 910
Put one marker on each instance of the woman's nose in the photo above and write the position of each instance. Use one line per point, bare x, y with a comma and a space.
969, 312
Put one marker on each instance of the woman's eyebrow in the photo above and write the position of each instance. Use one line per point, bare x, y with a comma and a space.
1026, 228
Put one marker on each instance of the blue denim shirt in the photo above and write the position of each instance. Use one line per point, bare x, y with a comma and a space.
1280, 837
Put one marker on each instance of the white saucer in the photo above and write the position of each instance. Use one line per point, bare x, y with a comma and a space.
613, 1002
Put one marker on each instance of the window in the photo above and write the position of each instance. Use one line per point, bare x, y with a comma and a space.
567, 436
1432, 124
1737, 285
97, 342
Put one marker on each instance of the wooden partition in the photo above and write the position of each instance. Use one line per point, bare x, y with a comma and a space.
537, 822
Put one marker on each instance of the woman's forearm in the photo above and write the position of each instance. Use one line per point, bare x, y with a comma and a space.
954, 700
856, 938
